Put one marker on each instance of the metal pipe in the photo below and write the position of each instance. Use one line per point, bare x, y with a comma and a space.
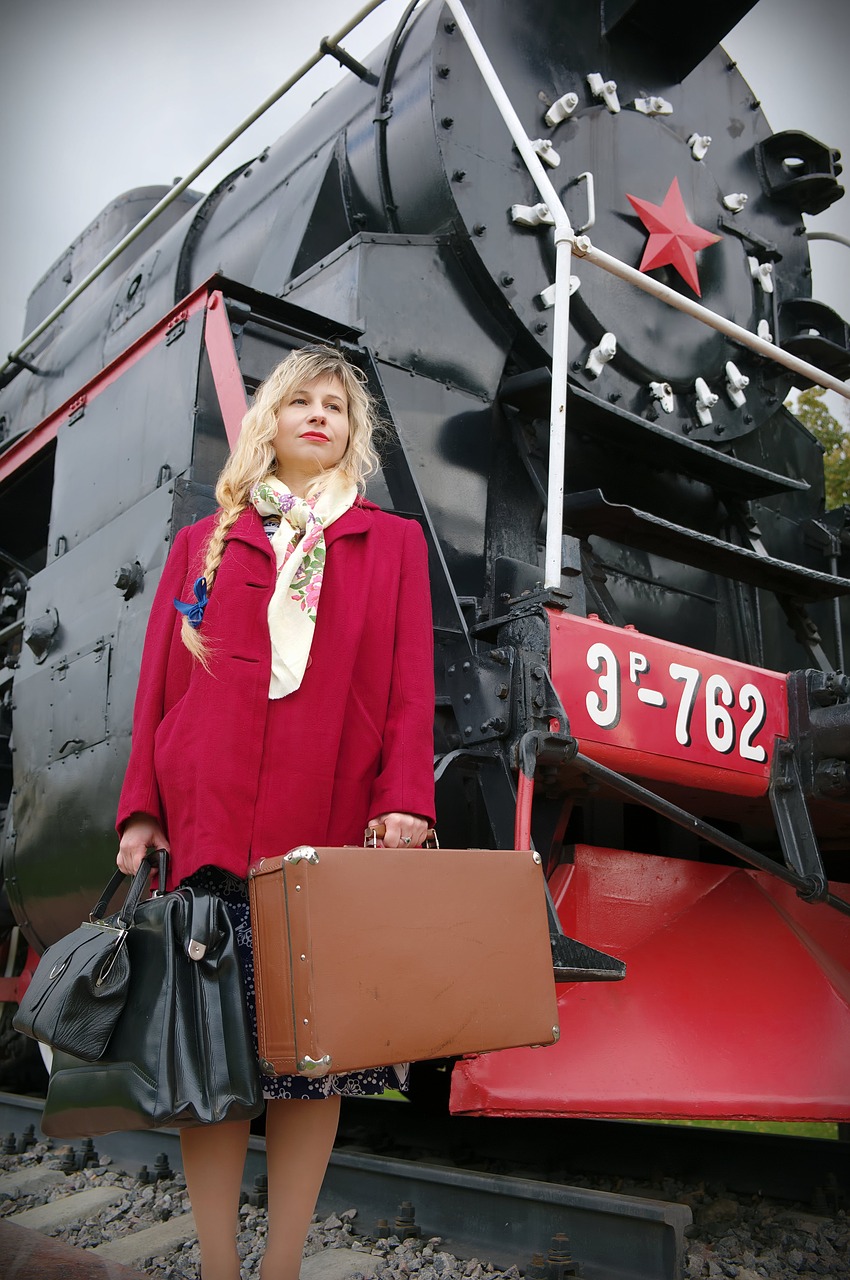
564, 237
583, 249
828, 235
325, 48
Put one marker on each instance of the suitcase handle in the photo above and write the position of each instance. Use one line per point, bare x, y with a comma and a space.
372, 835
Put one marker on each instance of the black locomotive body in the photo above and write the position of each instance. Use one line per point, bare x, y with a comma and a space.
398, 219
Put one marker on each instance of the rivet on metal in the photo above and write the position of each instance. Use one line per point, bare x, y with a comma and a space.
662, 392
736, 384
601, 355
561, 109
604, 89
653, 106
706, 400
762, 272
699, 144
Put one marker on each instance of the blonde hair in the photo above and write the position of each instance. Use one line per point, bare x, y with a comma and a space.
253, 456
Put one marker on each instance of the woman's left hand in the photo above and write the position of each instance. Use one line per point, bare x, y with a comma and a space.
403, 830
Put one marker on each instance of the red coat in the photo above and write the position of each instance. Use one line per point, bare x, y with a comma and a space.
358, 732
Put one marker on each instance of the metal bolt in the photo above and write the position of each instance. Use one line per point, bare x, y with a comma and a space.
405, 1223
506, 278
161, 1167
479, 229
541, 326
443, 73
458, 175
467, 697
451, 27
447, 122
260, 1195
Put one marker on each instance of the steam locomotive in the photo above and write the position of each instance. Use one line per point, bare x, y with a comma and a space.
670, 723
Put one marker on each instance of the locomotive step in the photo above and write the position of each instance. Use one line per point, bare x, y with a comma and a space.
590, 513
530, 392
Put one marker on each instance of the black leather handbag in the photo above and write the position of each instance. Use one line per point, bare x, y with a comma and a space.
80, 985
181, 1051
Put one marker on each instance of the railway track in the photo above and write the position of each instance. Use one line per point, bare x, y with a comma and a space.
507, 1220
603, 1201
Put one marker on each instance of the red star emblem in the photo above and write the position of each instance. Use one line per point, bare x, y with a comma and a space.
673, 238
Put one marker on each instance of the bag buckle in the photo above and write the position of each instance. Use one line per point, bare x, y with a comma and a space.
106, 967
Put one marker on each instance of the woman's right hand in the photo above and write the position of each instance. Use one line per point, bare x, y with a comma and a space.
140, 833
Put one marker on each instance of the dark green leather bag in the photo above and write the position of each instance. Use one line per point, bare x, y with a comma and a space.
181, 1050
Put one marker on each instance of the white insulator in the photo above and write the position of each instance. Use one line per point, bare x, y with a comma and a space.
735, 201
543, 147
706, 400
663, 393
601, 355
654, 106
604, 89
561, 109
736, 385
763, 331
699, 144
547, 297
762, 272
531, 215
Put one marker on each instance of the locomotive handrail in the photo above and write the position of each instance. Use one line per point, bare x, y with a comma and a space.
567, 242
327, 47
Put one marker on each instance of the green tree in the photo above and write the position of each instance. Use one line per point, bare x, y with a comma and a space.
834, 437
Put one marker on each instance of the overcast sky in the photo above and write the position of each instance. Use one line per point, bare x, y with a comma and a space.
98, 96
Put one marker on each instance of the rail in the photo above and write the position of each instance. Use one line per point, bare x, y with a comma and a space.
567, 242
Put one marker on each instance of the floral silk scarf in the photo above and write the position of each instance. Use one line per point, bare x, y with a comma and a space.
299, 549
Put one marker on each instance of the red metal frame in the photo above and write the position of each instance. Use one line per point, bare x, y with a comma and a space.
223, 363
736, 1002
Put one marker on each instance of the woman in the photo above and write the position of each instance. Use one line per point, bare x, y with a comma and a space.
285, 696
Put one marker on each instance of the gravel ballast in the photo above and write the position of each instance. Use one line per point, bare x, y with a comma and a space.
743, 1238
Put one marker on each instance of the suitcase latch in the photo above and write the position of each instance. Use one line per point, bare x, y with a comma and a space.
308, 1066
303, 853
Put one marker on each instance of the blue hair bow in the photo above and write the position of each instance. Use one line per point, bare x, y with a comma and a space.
195, 611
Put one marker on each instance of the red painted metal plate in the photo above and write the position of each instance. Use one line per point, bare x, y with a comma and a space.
735, 1004
652, 709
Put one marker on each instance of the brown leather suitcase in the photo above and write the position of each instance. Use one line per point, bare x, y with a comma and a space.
368, 957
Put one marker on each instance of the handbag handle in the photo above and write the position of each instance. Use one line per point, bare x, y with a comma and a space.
134, 893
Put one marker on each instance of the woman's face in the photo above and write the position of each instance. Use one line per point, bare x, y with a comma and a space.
312, 431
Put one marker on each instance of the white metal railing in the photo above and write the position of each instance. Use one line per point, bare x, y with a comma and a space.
327, 46
566, 243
